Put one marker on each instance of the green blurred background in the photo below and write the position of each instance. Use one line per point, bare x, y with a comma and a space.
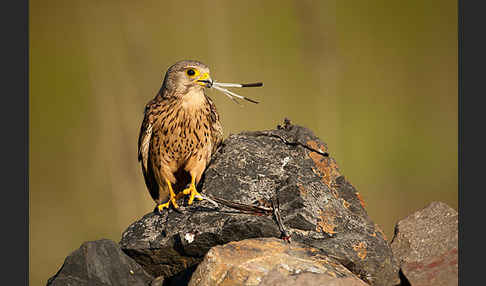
375, 80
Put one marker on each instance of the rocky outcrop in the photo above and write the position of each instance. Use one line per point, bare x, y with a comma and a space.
277, 212
288, 166
100, 263
426, 244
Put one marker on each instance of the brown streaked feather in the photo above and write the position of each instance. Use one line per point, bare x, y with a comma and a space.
216, 127
145, 133
144, 139
144, 143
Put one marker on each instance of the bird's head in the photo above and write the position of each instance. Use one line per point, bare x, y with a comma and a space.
184, 76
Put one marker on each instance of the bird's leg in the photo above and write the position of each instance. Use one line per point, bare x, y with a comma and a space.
172, 198
191, 191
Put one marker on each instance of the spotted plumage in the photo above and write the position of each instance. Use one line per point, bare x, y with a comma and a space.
179, 133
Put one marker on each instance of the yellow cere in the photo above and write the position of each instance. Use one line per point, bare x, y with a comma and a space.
204, 76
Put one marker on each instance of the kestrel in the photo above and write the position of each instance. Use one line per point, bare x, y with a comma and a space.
179, 133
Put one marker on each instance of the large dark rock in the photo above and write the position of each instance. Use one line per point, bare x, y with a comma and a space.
319, 208
99, 263
426, 244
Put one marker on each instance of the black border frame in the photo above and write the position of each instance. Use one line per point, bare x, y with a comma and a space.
471, 63
15, 128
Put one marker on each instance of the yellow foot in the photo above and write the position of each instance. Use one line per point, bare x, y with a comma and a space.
192, 192
161, 207
172, 199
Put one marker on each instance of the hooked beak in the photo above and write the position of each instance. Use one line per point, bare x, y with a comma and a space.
205, 80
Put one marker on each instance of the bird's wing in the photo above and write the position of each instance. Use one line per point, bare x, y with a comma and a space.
143, 150
144, 137
216, 127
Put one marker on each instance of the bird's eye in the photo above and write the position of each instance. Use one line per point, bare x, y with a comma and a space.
190, 72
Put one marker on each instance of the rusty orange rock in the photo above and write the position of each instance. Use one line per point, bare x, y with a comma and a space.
326, 222
360, 199
360, 249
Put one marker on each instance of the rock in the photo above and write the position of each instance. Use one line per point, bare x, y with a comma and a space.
159, 281
99, 263
426, 243
275, 278
318, 206
270, 261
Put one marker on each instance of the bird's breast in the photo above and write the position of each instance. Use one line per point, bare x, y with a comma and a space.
185, 129
194, 100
